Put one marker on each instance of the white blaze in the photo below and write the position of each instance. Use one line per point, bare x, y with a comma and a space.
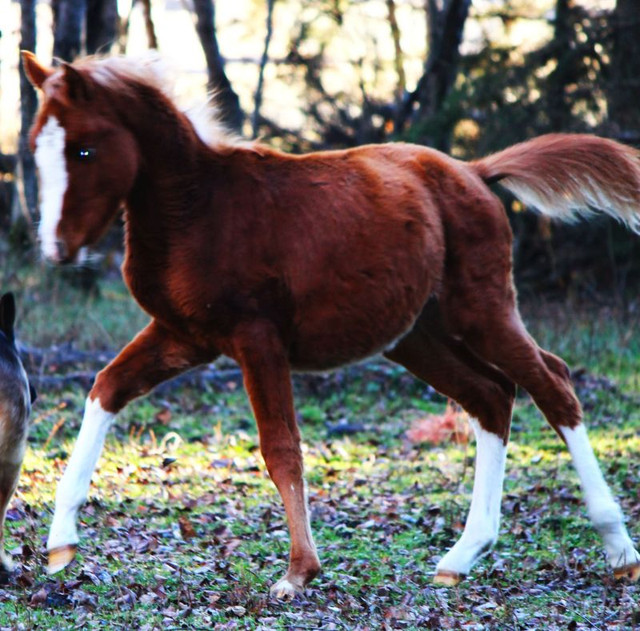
54, 179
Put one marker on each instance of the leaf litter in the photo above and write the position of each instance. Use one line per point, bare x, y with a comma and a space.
189, 533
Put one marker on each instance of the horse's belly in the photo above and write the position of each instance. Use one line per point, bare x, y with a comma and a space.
354, 320
368, 290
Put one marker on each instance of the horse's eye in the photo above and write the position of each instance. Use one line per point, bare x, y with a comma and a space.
85, 154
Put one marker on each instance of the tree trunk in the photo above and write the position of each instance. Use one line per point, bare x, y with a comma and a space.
152, 38
28, 106
7, 194
558, 109
399, 57
446, 26
218, 83
102, 25
624, 92
255, 122
69, 16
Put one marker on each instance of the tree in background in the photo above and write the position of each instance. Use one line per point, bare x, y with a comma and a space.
68, 18
217, 83
624, 78
28, 105
98, 19
430, 123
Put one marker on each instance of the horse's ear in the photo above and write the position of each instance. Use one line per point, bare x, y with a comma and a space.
78, 86
35, 71
7, 315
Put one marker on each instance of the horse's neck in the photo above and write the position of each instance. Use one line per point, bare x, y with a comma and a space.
159, 203
169, 170
165, 138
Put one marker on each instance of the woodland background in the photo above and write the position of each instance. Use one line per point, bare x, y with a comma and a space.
465, 77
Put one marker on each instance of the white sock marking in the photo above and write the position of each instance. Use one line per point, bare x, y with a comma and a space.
483, 522
54, 179
602, 508
74, 486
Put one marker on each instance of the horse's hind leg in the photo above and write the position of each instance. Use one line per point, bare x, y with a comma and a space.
487, 395
499, 336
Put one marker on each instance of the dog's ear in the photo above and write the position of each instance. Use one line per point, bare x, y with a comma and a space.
7, 315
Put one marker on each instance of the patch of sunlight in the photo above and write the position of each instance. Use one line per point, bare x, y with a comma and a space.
605, 441
38, 478
531, 454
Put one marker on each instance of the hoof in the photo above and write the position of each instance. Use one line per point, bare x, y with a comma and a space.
630, 572
284, 589
60, 557
6, 563
445, 577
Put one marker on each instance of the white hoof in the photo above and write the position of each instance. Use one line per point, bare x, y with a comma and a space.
60, 557
457, 563
6, 562
285, 590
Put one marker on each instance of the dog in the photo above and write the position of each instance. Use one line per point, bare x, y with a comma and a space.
16, 397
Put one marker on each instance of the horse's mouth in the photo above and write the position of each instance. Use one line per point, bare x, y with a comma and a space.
62, 255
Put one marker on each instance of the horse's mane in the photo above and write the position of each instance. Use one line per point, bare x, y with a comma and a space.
124, 74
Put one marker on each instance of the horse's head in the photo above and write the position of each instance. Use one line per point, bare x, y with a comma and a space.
86, 157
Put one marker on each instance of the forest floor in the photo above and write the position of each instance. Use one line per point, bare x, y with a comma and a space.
184, 530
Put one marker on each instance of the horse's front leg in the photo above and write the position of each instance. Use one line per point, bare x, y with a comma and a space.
153, 356
267, 379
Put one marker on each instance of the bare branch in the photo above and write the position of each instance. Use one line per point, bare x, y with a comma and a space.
152, 38
263, 62
399, 57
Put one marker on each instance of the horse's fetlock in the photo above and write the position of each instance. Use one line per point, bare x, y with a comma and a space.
306, 568
607, 521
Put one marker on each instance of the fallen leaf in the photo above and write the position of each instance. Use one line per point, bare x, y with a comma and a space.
186, 528
450, 426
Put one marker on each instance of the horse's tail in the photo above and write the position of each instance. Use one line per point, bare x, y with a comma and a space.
564, 174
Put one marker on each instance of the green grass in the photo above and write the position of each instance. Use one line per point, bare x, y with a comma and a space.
184, 530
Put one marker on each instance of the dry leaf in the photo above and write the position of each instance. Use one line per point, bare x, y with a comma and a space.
451, 426
186, 528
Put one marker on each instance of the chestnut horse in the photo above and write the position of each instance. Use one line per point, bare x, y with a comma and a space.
307, 262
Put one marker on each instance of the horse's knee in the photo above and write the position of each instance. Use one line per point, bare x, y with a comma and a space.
284, 462
113, 394
556, 365
492, 407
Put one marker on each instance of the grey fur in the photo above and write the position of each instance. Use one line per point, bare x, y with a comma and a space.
15, 408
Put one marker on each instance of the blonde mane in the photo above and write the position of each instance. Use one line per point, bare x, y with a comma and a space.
150, 69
